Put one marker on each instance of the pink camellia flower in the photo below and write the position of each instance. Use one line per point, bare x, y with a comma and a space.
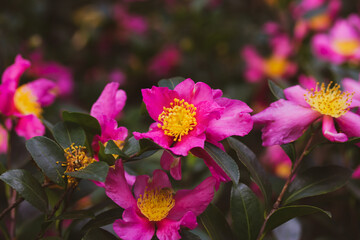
25, 102
60, 74
342, 43
286, 120
164, 62
191, 114
3, 140
154, 205
106, 109
188, 116
276, 159
275, 66
315, 15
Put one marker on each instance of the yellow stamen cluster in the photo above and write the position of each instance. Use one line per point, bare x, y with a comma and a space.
26, 102
178, 119
76, 159
329, 100
156, 204
346, 47
275, 66
320, 21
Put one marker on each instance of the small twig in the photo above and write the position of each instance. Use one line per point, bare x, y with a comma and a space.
14, 205
286, 185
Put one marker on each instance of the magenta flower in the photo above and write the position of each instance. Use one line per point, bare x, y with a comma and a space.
106, 109
164, 62
315, 15
25, 102
154, 205
286, 120
352, 85
342, 43
277, 160
275, 66
54, 71
191, 114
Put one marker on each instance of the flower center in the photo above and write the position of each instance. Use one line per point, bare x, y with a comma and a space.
275, 66
320, 21
178, 119
330, 100
26, 103
156, 204
76, 159
346, 47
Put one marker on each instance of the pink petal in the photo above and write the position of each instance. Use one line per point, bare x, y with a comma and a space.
322, 48
117, 188
156, 99
235, 120
352, 86
44, 90
133, 226
350, 124
195, 200
214, 168
194, 93
3, 140
169, 162
330, 132
187, 143
140, 185
169, 229
157, 135
296, 94
29, 126
356, 173
307, 82
285, 121
107, 104
111, 131
7, 106
12, 74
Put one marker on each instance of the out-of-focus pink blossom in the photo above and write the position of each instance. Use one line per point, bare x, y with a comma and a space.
164, 62
356, 173
342, 43
118, 76
54, 71
128, 23
315, 15
276, 159
275, 66
3, 140
24, 103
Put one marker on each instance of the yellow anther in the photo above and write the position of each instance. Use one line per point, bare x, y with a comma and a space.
329, 101
26, 102
156, 204
76, 159
178, 119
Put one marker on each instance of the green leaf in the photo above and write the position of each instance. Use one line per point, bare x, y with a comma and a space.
98, 233
77, 214
171, 82
112, 148
284, 214
316, 181
258, 174
95, 171
289, 149
215, 224
224, 161
131, 147
67, 133
89, 123
27, 186
48, 156
246, 212
187, 235
104, 218
276, 90
108, 158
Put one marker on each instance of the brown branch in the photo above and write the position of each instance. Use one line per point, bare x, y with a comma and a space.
14, 205
286, 185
